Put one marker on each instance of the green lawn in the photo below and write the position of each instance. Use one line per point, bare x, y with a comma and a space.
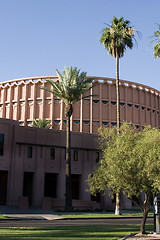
74, 232
3, 217
100, 215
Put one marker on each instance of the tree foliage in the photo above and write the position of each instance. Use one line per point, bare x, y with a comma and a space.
41, 123
130, 163
70, 87
157, 40
117, 36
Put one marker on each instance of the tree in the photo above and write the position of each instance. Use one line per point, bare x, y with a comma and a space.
131, 164
157, 39
41, 123
116, 38
70, 87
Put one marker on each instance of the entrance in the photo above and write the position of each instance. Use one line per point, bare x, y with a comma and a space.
50, 187
28, 186
75, 186
3, 187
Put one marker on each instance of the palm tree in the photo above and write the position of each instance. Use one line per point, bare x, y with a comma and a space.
41, 123
157, 39
70, 87
116, 38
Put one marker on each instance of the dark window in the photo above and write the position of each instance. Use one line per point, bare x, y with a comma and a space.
136, 106
104, 102
29, 152
105, 123
76, 121
85, 122
1, 144
96, 101
113, 103
97, 156
121, 104
52, 153
75, 155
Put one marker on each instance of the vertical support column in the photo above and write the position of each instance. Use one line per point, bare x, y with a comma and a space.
91, 111
145, 107
133, 105
11, 103
140, 110
150, 97
26, 104
109, 106
4, 103
156, 108
61, 115
43, 102
81, 115
125, 105
18, 98
34, 102
100, 104
52, 109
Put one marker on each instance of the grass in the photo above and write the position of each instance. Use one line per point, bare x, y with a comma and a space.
3, 217
100, 215
70, 232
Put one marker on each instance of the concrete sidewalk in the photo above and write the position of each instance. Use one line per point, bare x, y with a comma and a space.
29, 214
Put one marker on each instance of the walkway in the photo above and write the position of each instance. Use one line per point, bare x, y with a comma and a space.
30, 214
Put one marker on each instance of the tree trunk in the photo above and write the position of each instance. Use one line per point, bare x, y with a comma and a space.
117, 210
68, 195
117, 93
145, 214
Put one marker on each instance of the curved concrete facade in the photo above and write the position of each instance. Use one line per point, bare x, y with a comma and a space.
23, 100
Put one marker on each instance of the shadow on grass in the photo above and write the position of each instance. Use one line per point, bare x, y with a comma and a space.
70, 232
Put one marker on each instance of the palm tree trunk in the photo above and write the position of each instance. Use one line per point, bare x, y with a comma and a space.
118, 204
68, 195
117, 93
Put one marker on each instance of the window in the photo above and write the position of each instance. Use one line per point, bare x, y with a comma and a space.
1, 144
75, 155
113, 103
29, 152
97, 156
52, 153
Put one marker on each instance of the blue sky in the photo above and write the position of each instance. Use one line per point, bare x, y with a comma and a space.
40, 36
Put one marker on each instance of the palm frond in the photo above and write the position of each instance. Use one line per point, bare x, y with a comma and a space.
118, 36
71, 85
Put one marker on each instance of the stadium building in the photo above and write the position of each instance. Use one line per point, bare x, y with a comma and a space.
32, 161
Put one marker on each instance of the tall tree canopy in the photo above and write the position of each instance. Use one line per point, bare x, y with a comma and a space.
131, 164
70, 87
116, 38
157, 39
